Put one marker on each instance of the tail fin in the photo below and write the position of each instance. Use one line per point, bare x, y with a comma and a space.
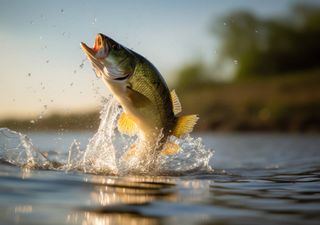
185, 125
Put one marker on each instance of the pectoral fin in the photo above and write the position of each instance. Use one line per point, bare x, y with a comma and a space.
170, 149
185, 125
126, 125
138, 100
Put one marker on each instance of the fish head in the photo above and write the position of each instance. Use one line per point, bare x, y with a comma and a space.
109, 59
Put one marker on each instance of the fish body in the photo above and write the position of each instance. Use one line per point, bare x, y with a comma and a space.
148, 105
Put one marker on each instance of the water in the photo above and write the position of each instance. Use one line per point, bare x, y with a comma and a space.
51, 178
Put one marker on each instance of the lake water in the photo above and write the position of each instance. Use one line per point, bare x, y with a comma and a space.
256, 179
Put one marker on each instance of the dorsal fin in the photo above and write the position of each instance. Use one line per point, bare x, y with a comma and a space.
126, 125
185, 125
176, 105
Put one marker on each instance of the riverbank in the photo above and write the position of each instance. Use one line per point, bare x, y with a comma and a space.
279, 103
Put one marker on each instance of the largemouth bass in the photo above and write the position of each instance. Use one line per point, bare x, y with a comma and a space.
148, 105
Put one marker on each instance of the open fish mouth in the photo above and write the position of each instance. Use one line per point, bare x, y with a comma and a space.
97, 54
100, 49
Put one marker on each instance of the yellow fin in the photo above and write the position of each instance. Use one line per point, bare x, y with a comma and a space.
176, 105
170, 149
126, 125
185, 125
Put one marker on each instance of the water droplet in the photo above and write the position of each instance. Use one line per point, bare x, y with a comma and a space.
82, 64
235, 62
71, 84
31, 22
32, 121
62, 10
75, 71
40, 117
63, 33
45, 107
225, 24
256, 31
29, 74
94, 21
51, 100
47, 61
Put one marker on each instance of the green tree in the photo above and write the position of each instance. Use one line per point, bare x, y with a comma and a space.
190, 75
263, 47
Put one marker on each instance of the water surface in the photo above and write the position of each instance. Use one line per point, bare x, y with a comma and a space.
257, 179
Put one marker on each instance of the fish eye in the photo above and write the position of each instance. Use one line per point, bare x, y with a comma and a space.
115, 46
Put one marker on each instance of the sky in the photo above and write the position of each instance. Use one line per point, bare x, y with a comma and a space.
43, 70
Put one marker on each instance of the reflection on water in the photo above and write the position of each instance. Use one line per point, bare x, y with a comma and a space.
131, 190
89, 218
140, 200
260, 179
122, 200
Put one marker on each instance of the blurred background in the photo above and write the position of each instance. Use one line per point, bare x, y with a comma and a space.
241, 65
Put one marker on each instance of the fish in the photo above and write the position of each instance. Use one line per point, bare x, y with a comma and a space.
149, 107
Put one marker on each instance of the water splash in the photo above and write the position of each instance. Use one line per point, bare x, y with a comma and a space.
17, 149
99, 155
108, 152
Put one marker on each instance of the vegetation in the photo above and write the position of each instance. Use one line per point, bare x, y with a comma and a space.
280, 103
271, 46
277, 75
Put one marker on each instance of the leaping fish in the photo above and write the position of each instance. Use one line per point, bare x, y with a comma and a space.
148, 105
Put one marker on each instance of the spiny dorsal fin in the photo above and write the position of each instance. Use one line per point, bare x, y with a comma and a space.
126, 125
185, 125
170, 149
176, 105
